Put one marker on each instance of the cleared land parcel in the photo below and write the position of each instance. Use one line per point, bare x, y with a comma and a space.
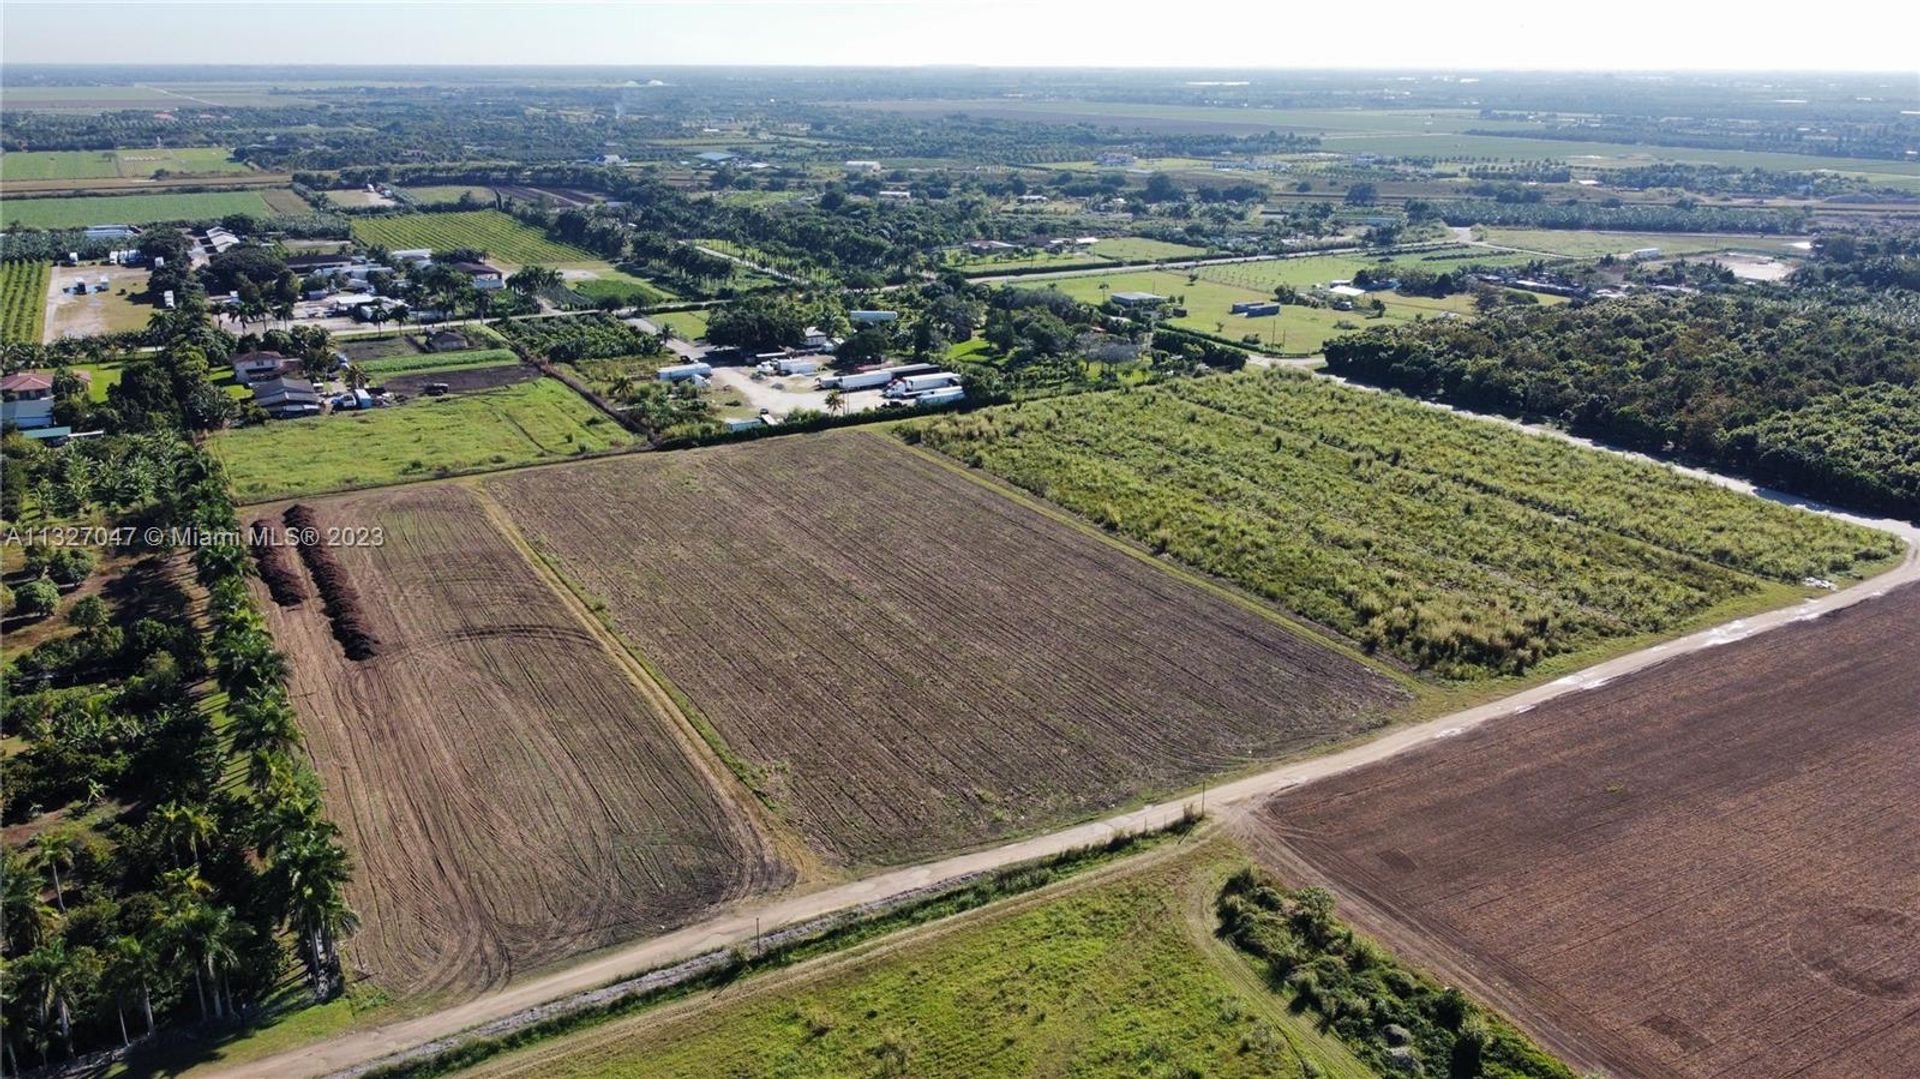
1703, 870
510, 793
904, 661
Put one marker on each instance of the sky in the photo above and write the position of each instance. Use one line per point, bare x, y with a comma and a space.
1864, 35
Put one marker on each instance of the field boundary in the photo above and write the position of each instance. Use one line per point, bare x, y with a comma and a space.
1291, 623
668, 992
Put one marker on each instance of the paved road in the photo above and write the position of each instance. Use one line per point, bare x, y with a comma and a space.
740, 924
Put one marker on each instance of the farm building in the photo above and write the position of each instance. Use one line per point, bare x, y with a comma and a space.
897, 194
1137, 299
287, 398
988, 247
412, 254
713, 158
250, 367
1347, 291
111, 232
685, 372
1645, 253
446, 341
863, 166
871, 317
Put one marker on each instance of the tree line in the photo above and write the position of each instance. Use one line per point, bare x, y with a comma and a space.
172, 849
1809, 397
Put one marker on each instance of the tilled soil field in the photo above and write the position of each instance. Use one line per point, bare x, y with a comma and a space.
1706, 869
510, 794
906, 662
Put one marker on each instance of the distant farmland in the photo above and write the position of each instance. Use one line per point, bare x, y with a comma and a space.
1458, 545
498, 234
903, 661
512, 796
132, 164
1704, 869
80, 212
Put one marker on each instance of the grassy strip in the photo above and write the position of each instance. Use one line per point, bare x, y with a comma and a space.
812, 940
432, 362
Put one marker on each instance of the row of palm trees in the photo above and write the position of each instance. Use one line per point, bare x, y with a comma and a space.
105, 929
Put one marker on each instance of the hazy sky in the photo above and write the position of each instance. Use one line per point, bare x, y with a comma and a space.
1877, 35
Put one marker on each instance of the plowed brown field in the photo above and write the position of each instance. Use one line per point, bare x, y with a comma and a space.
908, 662
1705, 869
510, 794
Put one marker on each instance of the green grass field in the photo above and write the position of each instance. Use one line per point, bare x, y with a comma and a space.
513, 425
686, 325
438, 194
620, 285
73, 213
504, 239
118, 164
425, 363
1115, 976
23, 300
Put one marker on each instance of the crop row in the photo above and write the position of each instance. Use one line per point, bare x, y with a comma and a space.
564, 340
498, 234
23, 300
1459, 546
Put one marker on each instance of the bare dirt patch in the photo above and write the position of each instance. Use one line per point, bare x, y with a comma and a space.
1703, 869
909, 662
511, 795
462, 380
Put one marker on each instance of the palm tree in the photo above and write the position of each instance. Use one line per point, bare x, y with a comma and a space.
25, 915
836, 402
55, 850
264, 722
185, 824
132, 967
311, 872
60, 974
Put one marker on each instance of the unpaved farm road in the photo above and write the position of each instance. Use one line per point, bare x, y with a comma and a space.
357, 1049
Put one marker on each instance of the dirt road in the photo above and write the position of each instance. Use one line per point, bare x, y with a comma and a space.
739, 925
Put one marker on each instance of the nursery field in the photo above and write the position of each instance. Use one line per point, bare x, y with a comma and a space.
1460, 546
427, 363
1702, 869
1116, 976
23, 300
131, 164
73, 213
506, 241
903, 661
511, 794
514, 425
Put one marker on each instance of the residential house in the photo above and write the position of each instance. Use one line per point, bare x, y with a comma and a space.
26, 399
1137, 299
251, 367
